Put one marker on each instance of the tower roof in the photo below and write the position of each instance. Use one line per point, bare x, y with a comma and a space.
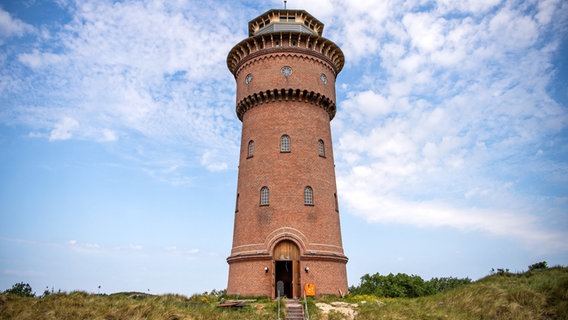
277, 20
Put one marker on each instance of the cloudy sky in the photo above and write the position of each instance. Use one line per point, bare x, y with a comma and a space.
119, 140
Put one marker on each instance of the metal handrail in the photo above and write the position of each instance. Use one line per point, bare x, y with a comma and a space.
306, 306
278, 305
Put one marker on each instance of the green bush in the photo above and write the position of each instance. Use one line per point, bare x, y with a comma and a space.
538, 266
444, 284
404, 286
21, 289
393, 286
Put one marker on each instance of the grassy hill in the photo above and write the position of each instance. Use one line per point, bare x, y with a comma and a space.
541, 294
534, 295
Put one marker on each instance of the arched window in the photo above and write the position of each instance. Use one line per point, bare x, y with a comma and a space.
285, 143
250, 149
308, 196
321, 149
264, 196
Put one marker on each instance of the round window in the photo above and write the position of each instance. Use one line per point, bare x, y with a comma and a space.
286, 71
323, 78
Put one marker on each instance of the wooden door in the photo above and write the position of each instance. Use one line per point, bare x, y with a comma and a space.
287, 255
297, 293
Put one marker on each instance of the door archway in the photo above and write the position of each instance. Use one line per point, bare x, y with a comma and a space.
286, 266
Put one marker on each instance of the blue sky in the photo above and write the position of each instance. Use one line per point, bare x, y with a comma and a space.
119, 140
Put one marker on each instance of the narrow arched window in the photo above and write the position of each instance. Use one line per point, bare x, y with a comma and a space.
336, 203
321, 149
264, 196
250, 149
308, 196
237, 204
285, 143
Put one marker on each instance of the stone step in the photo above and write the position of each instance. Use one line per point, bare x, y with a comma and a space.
294, 310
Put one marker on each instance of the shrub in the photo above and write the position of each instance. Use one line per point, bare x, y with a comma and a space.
400, 285
21, 289
443, 284
404, 286
538, 266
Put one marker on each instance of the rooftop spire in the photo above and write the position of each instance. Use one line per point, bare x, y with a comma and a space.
285, 4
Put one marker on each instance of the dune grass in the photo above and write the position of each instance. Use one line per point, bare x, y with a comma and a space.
533, 295
536, 295
134, 306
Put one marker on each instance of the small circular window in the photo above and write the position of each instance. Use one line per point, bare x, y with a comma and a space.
323, 78
286, 71
248, 78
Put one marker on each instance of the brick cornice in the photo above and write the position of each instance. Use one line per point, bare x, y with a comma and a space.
283, 94
249, 257
276, 43
305, 257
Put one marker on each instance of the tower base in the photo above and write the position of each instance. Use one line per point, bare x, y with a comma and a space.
263, 275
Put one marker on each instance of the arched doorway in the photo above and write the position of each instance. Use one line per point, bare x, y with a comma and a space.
286, 266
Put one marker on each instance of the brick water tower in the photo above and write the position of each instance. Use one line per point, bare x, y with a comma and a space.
287, 232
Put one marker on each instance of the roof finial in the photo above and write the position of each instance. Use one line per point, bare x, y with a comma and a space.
285, 4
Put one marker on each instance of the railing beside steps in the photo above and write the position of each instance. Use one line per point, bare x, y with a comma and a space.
307, 312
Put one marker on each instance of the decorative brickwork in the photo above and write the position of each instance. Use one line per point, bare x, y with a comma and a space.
286, 88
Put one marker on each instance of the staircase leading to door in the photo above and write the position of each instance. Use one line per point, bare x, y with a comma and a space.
294, 310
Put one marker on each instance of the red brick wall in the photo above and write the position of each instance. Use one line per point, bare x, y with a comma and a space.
328, 276
315, 229
248, 278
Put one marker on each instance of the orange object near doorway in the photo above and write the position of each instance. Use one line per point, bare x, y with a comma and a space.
310, 289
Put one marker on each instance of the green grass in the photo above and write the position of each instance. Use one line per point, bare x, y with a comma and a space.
534, 295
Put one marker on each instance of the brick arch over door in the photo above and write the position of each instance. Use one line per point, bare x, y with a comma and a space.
286, 233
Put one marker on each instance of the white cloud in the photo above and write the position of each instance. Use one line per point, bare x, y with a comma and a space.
370, 103
150, 69
108, 135
468, 6
369, 196
458, 100
37, 59
425, 30
513, 30
546, 10
211, 161
84, 247
12, 27
63, 129
189, 254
